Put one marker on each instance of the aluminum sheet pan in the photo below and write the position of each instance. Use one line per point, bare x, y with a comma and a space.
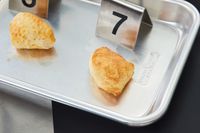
62, 74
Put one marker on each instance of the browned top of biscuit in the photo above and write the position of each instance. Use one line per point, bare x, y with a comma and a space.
112, 65
30, 31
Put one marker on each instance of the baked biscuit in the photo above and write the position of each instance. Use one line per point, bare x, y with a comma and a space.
110, 71
28, 31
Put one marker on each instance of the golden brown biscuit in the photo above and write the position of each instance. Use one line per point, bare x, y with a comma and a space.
110, 71
28, 31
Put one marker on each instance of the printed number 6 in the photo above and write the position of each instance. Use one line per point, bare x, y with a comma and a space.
123, 19
32, 4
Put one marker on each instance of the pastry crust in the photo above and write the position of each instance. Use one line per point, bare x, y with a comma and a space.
28, 31
110, 71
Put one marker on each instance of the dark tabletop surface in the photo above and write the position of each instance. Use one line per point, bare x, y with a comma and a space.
183, 114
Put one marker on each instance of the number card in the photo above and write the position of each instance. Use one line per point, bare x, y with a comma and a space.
38, 7
120, 21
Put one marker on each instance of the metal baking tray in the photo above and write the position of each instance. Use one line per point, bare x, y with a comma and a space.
62, 74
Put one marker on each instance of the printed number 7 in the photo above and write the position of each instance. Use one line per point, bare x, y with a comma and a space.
123, 19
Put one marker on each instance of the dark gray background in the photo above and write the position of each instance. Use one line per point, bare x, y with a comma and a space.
182, 116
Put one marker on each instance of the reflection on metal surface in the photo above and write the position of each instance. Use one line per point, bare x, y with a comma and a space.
36, 54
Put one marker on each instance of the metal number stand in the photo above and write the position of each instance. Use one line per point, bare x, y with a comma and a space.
121, 21
38, 7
